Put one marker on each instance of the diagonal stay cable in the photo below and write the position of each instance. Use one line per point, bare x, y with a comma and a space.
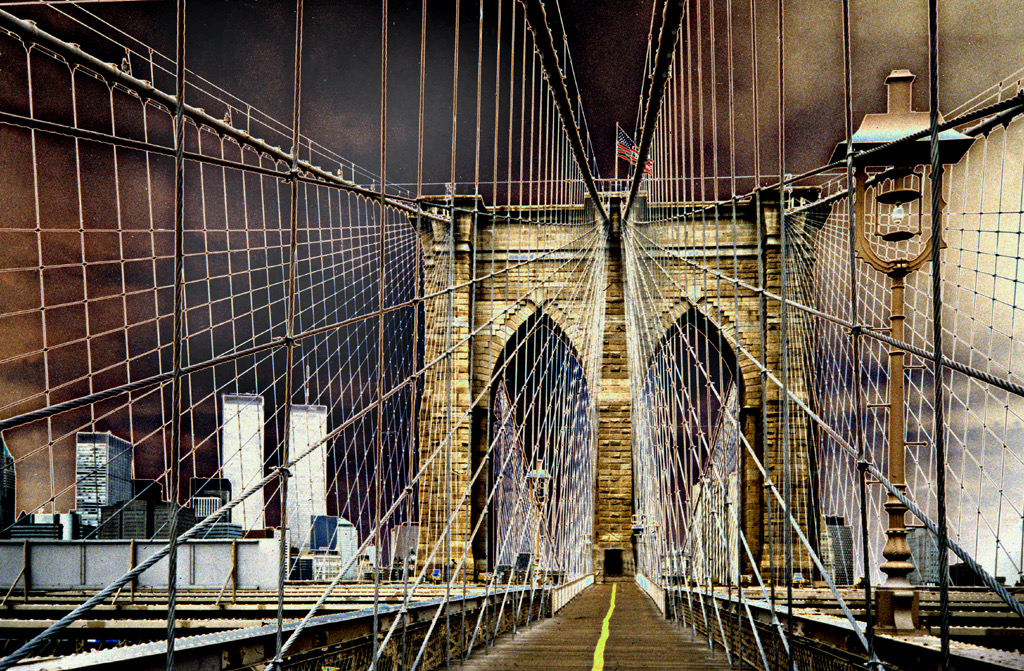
73, 54
37, 642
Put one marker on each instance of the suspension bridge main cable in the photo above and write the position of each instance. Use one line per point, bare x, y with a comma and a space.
536, 19
672, 18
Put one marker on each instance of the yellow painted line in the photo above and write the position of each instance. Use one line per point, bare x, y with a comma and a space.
605, 630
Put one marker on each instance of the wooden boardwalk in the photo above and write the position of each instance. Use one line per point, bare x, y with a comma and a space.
639, 638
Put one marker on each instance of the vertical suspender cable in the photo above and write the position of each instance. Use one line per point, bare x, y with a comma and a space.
754, 96
467, 541
783, 332
488, 479
289, 374
381, 241
737, 499
423, 75
937, 381
858, 391
413, 444
450, 361
179, 299
721, 407
414, 388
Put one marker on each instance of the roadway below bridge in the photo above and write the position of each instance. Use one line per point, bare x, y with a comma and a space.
591, 634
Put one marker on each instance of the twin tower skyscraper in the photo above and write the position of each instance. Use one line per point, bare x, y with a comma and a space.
243, 463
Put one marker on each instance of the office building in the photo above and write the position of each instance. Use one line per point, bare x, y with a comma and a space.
50, 527
142, 519
338, 537
242, 457
924, 553
404, 542
836, 549
129, 519
204, 506
7, 487
324, 533
151, 490
307, 488
347, 543
218, 487
103, 474
207, 497
221, 531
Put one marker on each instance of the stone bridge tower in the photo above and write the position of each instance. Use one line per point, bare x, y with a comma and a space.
754, 249
613, 532
488, 239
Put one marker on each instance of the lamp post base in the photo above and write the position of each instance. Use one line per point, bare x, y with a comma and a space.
897, 611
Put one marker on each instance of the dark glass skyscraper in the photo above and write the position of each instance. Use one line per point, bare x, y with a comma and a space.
7, 487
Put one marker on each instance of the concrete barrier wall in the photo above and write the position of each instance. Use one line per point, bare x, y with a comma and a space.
652, 590
205, 564
563, 594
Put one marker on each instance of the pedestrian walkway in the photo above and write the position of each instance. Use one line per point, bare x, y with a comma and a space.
638, 637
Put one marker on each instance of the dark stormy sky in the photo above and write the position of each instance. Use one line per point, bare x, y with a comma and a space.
245, 46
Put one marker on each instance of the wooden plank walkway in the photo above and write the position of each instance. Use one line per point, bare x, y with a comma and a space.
639, 638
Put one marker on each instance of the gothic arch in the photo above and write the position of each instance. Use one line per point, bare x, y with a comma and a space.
526, 322
741, 342
531, 328
748, 379
490, 343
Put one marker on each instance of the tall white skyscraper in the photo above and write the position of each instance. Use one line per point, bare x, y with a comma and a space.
241, 454
347, 544
103, 474
307, 488
924, 553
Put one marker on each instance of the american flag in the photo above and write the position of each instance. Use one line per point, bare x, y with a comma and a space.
626, 150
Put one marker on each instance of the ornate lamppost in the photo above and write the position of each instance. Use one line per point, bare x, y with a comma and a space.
898, 204
538, 480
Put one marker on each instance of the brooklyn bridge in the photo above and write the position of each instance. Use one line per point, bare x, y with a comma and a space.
511, 335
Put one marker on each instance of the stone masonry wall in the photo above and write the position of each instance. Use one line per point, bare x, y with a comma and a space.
511, 289
614, 501
444, 439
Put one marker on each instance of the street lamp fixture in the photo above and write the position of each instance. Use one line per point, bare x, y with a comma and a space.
897, 220
639, 524
538, 480
899, 206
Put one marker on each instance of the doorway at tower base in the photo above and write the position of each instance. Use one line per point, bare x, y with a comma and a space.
614, 562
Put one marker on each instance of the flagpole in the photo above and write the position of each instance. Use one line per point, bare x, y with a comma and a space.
616, 155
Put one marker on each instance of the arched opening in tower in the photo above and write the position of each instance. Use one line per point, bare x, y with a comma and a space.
540, 469
686, 453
